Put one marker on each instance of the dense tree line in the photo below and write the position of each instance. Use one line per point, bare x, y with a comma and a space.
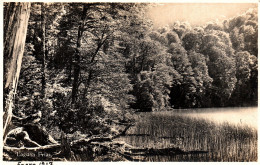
87, 65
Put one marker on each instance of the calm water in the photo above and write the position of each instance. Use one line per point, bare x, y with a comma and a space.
237, 116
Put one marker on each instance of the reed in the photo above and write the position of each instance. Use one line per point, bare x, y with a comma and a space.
224, 142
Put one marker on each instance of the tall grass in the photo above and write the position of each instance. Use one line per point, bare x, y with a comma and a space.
224, 142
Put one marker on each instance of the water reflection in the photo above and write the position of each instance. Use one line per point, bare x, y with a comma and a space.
236, 116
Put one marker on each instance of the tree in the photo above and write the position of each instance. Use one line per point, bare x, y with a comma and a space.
43, 28
15, 27
102, 73
182, 92
243, 32
217, 48
92, 22
201, 75
37, 79
192, 40
245, 91
81, 30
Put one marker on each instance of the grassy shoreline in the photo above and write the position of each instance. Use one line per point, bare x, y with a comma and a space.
224, 142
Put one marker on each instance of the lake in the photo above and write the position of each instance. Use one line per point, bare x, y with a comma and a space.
234, 115
224, 134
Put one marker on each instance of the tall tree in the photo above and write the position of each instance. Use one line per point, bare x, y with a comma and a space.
15, 27
81, 30
43, 23
217, 48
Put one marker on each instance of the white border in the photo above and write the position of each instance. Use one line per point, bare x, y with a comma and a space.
147, 1
152, 1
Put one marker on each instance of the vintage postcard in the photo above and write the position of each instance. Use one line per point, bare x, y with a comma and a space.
135, 81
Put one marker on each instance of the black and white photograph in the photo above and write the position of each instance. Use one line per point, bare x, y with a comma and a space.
129, 81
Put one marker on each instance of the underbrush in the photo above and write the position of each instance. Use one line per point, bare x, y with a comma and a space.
95, 116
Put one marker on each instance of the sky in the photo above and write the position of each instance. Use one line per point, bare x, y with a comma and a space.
195, 13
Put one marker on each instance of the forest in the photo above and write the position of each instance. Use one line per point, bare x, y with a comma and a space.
78, 70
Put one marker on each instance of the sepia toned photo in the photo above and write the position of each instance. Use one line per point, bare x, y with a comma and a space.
131, 82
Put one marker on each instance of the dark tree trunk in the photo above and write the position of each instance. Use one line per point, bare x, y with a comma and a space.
15, 28
43, 22
78, 55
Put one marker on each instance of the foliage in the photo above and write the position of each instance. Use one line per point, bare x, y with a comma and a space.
102, 60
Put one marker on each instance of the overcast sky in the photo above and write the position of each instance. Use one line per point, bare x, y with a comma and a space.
196, 13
